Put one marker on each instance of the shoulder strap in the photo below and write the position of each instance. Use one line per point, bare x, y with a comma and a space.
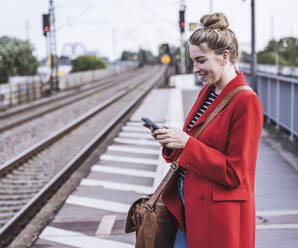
174, 166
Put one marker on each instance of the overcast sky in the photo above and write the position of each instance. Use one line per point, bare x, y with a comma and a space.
111, 26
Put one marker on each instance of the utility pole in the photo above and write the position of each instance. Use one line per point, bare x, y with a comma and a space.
114, 33
210, 6
272, 27
253, 50
53, 48
253, 63
27, 27
182, 33
273, 38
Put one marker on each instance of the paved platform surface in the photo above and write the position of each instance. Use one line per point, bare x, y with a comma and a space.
94, 215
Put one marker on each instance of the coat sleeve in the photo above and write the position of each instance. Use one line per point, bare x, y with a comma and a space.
231, 167
170, 155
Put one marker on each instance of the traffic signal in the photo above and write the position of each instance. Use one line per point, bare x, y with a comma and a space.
45, 24
181, 20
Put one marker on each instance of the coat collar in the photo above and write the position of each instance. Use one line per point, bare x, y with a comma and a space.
239, 80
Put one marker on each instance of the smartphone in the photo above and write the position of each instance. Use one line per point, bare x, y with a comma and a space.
150, 123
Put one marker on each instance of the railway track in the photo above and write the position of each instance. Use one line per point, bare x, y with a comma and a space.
24, 114
29, 180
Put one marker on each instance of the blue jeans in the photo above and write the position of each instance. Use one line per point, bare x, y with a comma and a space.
180, 241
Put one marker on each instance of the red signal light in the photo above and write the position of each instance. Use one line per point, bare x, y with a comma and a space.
181, 20
46, 24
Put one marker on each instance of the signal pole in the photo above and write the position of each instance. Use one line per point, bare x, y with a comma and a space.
53, 48
49, 31
182, 32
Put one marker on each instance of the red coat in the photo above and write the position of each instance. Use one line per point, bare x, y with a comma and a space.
220, 173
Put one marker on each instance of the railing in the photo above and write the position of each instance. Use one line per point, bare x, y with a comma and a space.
28, 89
287, 71
279, 98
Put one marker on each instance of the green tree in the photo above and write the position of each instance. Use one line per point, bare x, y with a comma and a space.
289, 50
270, 58
286, 49
16, 58
87, 62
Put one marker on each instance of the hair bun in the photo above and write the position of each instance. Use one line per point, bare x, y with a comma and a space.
214, 21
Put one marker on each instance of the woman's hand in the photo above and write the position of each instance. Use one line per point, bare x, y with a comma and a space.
151, 129
171, 137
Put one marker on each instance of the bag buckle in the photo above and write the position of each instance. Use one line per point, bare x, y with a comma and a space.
174, 166
151, 209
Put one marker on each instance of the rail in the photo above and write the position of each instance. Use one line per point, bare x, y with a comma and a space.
279, 98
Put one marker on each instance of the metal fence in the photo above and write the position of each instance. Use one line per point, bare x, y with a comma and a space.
279, 98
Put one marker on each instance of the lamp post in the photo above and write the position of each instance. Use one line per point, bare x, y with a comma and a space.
253, 63
253, 49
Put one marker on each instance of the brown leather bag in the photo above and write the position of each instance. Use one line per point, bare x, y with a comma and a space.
155, 226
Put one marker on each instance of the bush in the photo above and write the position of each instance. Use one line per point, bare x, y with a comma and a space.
269, 58
87, 62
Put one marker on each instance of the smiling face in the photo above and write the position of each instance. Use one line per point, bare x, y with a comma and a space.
207, 64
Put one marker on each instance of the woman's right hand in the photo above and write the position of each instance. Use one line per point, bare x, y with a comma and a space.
151, 129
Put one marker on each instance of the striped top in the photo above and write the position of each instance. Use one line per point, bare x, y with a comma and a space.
202, 109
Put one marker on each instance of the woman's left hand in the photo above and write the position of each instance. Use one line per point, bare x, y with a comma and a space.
171, 137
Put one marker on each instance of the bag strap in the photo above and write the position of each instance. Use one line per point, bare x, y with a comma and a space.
174, 166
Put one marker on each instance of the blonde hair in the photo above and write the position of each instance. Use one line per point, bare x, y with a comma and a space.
215, 33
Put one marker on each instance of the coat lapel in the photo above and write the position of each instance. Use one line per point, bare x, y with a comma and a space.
237, 81
200, 100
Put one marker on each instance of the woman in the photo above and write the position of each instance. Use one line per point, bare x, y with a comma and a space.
213, 197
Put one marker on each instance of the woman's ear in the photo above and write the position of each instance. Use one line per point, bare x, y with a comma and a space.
225, 57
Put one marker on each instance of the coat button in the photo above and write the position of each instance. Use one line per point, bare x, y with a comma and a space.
202, 197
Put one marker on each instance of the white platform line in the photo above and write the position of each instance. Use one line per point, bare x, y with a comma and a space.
98, 203
118, 186
136, 135
133, 149
140, 142
134, 123
105, 226
80, 240
277, 226
119, 170
139, 128
277, 212
129, 159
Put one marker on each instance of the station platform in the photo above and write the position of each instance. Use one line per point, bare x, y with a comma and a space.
94, 214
